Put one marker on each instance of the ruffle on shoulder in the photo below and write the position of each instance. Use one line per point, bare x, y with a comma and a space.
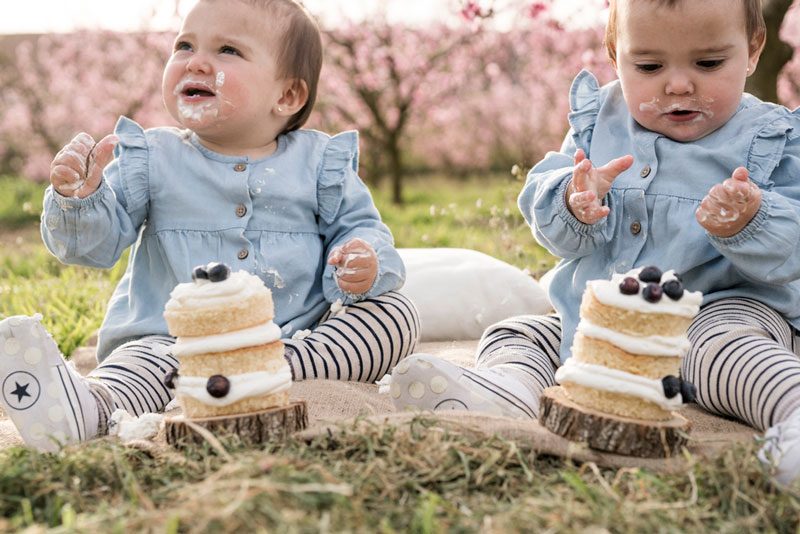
339, 158
584, 105
769, 142
134, 163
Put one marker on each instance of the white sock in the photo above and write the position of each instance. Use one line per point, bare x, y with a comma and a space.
45, 397
425, 382
782, 448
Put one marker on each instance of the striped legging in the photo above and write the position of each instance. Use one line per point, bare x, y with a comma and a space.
362, 344
743, 358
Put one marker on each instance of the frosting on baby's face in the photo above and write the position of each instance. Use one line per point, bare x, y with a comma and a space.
683, 68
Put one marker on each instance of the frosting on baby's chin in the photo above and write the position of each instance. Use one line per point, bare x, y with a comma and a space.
239, 286
608, 292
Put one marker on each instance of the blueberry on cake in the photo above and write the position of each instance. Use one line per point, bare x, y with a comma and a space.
628, 347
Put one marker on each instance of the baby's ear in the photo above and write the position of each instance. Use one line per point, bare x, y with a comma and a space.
293, 98
755, 49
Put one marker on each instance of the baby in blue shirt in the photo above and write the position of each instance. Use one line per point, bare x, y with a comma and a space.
672, 166
239, 183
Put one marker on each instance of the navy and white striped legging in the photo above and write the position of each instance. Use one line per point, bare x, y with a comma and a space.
362, 344
743, 358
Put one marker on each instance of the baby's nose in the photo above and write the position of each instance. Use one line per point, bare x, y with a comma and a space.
199, 63
679, 83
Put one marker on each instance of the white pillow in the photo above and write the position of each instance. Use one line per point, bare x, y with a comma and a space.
460, 292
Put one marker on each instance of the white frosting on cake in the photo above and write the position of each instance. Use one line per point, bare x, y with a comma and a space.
608, 293
247, 337
205, 294
243, 386
668, 346
616, 381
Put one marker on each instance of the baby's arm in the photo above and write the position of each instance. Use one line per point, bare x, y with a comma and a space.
545, 205
766, 244
90, 217
361, 260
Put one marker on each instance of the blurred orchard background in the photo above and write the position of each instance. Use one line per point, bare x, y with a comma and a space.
462, 87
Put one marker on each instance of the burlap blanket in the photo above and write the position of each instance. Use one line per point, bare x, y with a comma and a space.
334, 405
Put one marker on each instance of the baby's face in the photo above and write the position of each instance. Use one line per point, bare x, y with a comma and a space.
683, 69
222, 78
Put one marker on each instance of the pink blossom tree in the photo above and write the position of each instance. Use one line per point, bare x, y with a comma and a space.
63, 84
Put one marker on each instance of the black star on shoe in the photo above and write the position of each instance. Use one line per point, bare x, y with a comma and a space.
21, 391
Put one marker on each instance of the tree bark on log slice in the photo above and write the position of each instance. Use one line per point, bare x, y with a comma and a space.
252, 429
610, 433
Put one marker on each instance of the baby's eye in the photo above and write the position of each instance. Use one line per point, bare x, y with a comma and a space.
182, 45
229, 50
710, 63
647, 67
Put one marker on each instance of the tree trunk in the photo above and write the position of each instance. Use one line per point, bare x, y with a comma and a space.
396, 170
764, 81
609, 433
252, 429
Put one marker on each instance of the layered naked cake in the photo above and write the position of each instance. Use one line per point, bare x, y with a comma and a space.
229, 348
626, 356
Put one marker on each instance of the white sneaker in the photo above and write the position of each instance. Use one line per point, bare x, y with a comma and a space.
48, 401
424, 382
781, 449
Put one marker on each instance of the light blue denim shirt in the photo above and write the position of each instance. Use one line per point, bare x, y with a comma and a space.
652, 204
180, 205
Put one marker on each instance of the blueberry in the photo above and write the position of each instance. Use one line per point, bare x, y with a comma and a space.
672, 386
652, 292
169, 379
199, 273
688, 392
650, 274
217, 272
629, 286
673, 289
218, 386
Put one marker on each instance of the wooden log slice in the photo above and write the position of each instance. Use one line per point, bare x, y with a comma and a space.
252, 429
611, 433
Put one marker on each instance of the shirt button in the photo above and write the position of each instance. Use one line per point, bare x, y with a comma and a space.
239, 167
636, 227
241, 210
243, 254
645, 172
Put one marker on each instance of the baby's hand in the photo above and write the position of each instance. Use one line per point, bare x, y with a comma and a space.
356, 266
77, 169
590, 184
729, 206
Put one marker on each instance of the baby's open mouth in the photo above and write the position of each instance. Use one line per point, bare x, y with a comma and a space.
193, 91
681, 112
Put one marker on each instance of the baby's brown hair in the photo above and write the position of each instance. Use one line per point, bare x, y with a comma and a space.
754, 20
299, 51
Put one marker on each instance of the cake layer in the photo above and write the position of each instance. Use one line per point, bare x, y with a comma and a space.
615, 403
268, 357
615, 381
194, 409
599, 352
632, 321
203, 307
248, 337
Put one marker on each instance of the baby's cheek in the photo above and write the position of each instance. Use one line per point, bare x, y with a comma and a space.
233, 96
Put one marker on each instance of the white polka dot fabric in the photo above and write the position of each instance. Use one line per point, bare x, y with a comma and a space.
424, 382
48, 401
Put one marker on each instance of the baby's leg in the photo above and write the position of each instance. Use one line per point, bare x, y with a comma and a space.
517, 359
744, 364
361, 343
45, 397
132, 378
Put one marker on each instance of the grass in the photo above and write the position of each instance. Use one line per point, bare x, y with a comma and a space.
368, 478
